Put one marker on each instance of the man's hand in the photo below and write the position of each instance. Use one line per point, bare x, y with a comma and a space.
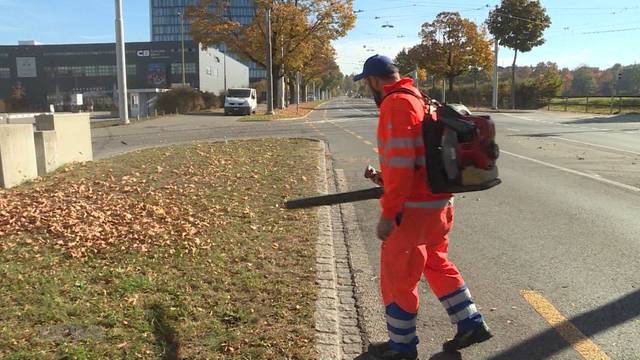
384, 228
373, 175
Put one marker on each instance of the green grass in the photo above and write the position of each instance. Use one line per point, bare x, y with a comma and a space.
596, 105
200, 259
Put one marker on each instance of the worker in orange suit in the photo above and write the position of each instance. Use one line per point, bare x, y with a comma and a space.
414, 224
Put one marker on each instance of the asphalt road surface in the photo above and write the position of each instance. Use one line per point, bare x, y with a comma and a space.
558, 242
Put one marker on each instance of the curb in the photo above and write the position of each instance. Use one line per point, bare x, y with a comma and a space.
367, 290
294, 118
326, 312
308, 114
337, 324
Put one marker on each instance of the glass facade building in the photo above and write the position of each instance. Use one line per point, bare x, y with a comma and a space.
51, 74
165, 24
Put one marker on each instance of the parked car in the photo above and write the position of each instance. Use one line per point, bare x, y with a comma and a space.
240, 101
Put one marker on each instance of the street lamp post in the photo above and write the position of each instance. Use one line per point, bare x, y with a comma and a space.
122, 66
268, 49
224, 60
184, 74
494, 103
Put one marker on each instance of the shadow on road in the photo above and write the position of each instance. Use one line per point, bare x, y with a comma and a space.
624, 118
438, 356
545, 344
554, 134
446, 356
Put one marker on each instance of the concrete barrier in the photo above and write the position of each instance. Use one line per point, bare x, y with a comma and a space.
72, 138
17, 155
46, 144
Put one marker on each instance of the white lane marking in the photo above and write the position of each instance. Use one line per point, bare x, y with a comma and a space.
596, 145
574, 172
510, 129
339, 120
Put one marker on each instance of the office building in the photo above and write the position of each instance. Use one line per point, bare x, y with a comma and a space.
166, 19
54, 74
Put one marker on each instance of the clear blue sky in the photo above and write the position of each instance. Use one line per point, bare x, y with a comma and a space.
65, 21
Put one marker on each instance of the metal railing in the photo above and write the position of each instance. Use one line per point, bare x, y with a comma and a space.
596, 104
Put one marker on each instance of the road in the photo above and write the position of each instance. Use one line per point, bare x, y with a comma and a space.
565, 224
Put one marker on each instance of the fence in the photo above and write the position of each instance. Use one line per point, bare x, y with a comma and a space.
596, 104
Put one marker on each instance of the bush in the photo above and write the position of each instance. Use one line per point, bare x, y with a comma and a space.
184, 100
212, 101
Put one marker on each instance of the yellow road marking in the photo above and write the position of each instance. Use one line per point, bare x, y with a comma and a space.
359, 137
375, 150
580, 343
368, 142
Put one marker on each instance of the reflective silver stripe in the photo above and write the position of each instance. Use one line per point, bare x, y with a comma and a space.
402, 161
401, 339
464, 313
437, 204
401, 324
407, 142
451, 302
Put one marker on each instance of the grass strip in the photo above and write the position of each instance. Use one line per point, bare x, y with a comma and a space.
171, 253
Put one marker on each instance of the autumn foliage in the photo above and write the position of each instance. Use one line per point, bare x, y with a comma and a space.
302, 31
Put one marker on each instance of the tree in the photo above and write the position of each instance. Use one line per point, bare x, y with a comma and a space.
406, 61
322, 61
298, 27
18, 98
583, 83
547, 80
629, 84
452, 46
518, 25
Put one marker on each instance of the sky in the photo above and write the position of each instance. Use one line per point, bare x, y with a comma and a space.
586, 32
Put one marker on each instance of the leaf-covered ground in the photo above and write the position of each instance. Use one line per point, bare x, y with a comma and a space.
291, 111
178, 253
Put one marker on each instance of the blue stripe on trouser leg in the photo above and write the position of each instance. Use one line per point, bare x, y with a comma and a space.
461, 309
401, 326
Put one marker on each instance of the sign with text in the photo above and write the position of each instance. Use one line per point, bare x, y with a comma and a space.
26, 67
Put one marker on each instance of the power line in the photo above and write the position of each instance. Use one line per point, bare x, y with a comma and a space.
610, 31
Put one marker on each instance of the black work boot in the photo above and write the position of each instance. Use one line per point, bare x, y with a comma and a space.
467, 338
383, 351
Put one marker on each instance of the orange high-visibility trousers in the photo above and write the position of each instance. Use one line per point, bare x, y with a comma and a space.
419, 246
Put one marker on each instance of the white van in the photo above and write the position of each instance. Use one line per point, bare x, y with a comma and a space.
240, 101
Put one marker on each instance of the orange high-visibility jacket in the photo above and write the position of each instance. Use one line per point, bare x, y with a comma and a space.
402, 152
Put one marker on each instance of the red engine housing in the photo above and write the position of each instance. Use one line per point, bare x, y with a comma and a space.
481, 150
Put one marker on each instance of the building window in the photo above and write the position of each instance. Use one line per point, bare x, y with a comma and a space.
5, 73
176, 68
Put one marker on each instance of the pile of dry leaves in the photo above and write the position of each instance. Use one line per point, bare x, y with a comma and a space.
136, 208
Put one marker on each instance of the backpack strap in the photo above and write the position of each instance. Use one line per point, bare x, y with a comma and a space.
424, 97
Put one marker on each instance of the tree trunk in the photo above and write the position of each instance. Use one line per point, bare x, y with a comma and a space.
303, 90
513, 80
292, 90
276, 88
451, 87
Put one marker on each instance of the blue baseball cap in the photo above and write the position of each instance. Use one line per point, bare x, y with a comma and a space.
377, 65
